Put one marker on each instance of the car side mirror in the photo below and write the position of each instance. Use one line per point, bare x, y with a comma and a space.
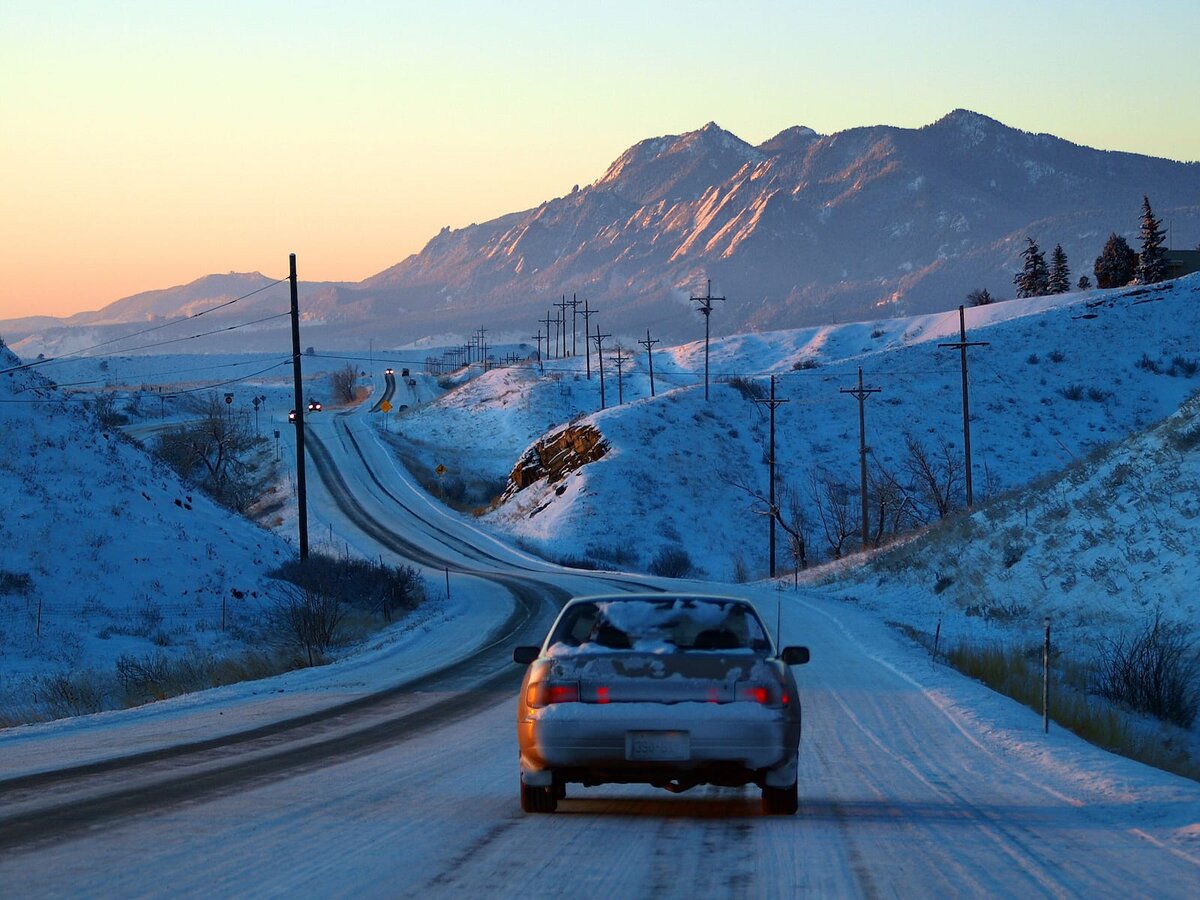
525, 655
795, 656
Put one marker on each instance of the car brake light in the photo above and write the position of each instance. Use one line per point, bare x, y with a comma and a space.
764, 694
602, 694
546, 693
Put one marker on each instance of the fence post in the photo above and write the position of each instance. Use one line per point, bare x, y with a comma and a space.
1046, 677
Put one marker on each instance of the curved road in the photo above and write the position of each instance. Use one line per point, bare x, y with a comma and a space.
414, 793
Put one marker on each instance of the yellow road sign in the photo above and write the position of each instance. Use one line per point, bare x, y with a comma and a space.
441, 470
386, 406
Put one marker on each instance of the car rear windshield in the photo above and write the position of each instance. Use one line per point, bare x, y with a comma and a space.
669, 625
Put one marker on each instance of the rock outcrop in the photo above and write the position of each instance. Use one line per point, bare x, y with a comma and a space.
556, 455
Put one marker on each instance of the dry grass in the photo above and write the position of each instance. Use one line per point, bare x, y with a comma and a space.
1017, 673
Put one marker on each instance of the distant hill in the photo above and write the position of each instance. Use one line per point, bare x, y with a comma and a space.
800, 230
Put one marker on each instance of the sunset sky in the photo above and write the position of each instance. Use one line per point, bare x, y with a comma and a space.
146, 144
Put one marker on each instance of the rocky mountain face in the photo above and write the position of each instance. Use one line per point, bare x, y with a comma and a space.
802, 229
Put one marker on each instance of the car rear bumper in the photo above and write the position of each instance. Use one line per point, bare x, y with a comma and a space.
726, 743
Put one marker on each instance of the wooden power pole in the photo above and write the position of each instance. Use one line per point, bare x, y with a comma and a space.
587, 348
620, 359
301, 492
706, 309
772, 403
861, 393
962, 344
648, 343
599, 339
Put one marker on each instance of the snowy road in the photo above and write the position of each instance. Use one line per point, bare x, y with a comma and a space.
914, 782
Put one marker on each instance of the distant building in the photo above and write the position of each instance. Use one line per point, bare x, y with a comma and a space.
1182, 262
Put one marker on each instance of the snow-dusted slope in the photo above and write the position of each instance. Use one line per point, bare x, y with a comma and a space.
103, 551
1059, 377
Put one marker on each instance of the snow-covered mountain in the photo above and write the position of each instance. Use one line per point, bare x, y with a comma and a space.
803, 229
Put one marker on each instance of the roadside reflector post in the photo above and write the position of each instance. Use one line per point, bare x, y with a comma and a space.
1046, 677
447, 582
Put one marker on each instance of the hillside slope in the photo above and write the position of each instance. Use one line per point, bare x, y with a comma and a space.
105, 552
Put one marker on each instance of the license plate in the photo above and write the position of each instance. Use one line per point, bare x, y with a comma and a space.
657, 745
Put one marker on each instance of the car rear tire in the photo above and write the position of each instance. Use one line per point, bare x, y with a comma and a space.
783, 801
538, 799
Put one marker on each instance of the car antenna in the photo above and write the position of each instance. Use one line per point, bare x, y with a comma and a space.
779, 622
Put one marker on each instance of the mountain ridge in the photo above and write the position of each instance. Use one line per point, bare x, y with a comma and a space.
804, 228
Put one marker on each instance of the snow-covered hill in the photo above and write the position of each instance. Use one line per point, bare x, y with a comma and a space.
105, 552
1059, 377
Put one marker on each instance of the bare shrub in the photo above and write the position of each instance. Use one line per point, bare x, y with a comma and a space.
104, 406
671, 561
306, 619
836, 509
209, 452
748, 388
365, 584
343, 383
1148, 364
617, 554
18, 583
1155, 671
63, 694
1182, 367
936, 476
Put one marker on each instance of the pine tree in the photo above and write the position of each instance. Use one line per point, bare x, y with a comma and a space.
1034, 279
979, 297
1085, 283
1060, 275
1117, 263
1152, 262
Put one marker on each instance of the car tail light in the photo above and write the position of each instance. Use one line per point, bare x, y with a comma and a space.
602, 694
763, 693
547, 693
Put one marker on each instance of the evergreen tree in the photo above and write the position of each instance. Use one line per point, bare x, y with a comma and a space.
1034, 279
1152, 263
979, 297
1060, 275
1085, 283
1117, 263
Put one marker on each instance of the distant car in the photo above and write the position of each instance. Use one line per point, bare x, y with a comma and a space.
671, 690
314, 406
388, 371
292, 417
404, 373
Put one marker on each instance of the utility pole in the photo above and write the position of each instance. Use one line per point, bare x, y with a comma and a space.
574, 315
301, 493
482, 348
587, 349
562, 318
647, 343
599, 339
620, 359
706, 308
548, 321
772, 403
861, 393
538, 338
962, 344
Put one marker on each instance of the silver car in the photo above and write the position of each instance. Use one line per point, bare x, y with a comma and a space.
672, 690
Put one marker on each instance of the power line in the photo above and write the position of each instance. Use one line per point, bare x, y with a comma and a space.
204, 312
